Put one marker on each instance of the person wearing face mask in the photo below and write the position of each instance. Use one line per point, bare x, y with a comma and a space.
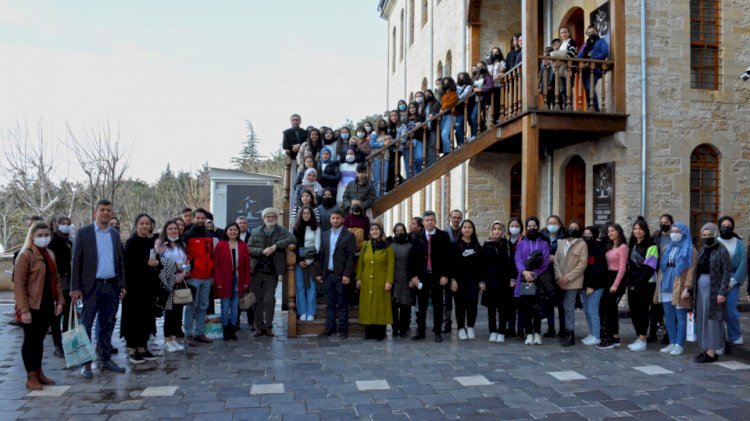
483, 86
360, 189
513, 325
674, 288
593, 283
348, 169
419, 99
38, 294
494, 252
661, 239
713, 278
641, 278
554, 232
596, 48
431, 108
336, 144
62, 248
738, 254
411, 144
170, 247
449, 100
571, 260
401, 245
532, 260
381, 164
496, 68
311, 147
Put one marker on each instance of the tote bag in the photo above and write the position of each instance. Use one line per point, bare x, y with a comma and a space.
76, 344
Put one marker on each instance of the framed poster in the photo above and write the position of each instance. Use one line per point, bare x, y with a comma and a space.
604, 194
248, 201
600, 18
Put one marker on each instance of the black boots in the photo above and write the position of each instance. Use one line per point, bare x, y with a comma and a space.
568, 338
230, 332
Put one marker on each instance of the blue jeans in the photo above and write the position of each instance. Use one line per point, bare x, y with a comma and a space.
676, 321
415, 167
196, 311
445, 133
458, 126
473, 119
337, 302
733, 315
586, 80
569, 303
101, 304
377, 175
306, 298
591, 307
230, 306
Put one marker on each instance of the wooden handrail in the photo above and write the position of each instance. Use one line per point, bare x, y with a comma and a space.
291, 284
570, 97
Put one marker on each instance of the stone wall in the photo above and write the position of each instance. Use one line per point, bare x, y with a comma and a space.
488, 189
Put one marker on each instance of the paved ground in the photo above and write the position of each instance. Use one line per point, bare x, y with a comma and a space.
310, 379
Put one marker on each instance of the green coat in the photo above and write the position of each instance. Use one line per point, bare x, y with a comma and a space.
374, 269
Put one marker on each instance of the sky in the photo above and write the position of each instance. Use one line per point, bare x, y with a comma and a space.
179, 78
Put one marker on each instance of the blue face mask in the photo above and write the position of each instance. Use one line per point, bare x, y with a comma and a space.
402, 107
345, 136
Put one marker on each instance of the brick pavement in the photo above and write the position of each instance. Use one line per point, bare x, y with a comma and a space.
311, 379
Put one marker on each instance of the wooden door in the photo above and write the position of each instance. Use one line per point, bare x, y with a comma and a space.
575, 190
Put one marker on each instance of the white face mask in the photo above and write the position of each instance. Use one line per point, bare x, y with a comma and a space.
515, 230
350, 158
175, 238
41, 242
360, 134
676, 237
553, 228
65, 229
419, 99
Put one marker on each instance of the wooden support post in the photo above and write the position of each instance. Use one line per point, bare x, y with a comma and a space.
617, 54
530, 167
291, 261
287, 187
530, 32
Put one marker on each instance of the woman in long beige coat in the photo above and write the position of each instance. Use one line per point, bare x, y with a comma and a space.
571, 260
375, 272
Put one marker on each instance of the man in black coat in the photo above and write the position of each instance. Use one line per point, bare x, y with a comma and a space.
293, 138
335, 270
428, 267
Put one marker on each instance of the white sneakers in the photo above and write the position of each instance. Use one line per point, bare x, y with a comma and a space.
537, 339
306, 318
739, 341
591, 341
462, 335
493, 337
500, 338
173, 346
529, 340
637, 346
310, 317
667, 349
677, 350
470, 333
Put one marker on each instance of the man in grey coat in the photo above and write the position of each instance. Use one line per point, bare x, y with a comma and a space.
97, 277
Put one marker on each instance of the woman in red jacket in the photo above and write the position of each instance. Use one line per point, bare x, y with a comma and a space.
231, 277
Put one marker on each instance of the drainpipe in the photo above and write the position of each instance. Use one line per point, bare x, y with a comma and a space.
644, 123
548, 157
432, 48
387, 66
550, 31
405, 33
463, 36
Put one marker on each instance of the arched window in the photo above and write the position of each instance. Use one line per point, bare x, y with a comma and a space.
401, 38
425, 84
411, 97
515, 190
705, 187
393, 51
425, 11
411, 22
440, 69
448, 63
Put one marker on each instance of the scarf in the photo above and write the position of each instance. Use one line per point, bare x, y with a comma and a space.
51, 270
677, 258
330, 155
168, 275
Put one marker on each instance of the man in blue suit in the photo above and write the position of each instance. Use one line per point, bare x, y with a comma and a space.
97, 277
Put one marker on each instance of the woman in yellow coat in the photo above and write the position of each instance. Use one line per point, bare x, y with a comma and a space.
375, 270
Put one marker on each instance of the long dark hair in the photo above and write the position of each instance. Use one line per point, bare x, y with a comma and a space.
300, 224
449, 85
474, 242
620, 234
647, 241
381, 242
138, 218
163, 234
225, 237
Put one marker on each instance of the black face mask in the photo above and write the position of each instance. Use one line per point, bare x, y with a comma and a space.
665, 227
726, 232
593, 38
709, 242
588, 238
329, 202
532, 234
356, 208
496, 56
574, 233
400, 237
482, 71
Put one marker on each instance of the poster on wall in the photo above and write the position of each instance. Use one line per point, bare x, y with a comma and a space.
248, 201
600, 19
604, 194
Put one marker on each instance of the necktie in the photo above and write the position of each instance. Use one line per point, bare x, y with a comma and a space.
429, 253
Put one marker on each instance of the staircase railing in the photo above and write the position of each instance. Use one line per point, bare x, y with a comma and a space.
291, 293
566, 80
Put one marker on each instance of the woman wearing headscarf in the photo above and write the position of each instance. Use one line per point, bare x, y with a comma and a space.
329, 173
310, 183
348, 169
532, 259
714, 274
675, 284
375, 274
738, 253
496, 275
401, 245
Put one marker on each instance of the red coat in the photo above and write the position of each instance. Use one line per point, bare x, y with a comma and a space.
223, 269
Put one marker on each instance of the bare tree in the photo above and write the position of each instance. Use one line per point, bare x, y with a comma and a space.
103, 160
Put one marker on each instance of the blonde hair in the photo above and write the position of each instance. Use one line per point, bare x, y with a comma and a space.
36, 226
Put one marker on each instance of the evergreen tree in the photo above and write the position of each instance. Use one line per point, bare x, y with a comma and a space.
249, 158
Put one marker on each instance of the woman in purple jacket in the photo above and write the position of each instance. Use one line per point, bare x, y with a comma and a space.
531, 243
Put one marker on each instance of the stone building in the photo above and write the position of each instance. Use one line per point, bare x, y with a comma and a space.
543, 161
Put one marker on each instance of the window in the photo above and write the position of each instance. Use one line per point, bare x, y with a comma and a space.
401, 38
393, 51
705, 43
515, 190
425, 11
411, 97
425, 84
411, 22
448, 63
440, 70
705, 183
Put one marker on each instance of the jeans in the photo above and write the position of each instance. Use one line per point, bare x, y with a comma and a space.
733, 315
230, 306
196, 311
414, 168
306, 303
378, 174
337, 302
676, 321
473, 119
445, 133
102, 301
591, 307
569, 303
458, 126
586, 80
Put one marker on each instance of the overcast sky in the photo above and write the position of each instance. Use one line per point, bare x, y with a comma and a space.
181, 77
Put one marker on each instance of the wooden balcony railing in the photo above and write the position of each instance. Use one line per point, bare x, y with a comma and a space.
562, 83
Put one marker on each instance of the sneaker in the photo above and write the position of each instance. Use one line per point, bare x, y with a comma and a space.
720, 351
500, 338
310, 317
587, 338
637, 346
111, 366
537, 339
677, 350
606, 344
615, 341
667, 349
86, 373
493, 337
529, 340
462, 334
739, 341
59, 353
169, 347
470, 333
303, 317
136, 358
148, 356
178, 346
595, 342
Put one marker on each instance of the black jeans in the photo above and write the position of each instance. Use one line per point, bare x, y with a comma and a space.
467, 298
532, 323
656, 312
337, 302
33, 338
264, 288
431, 289
608, 313
448, 299
59, 323
401, 318
173, 320
504, 308
639, 301
375, 332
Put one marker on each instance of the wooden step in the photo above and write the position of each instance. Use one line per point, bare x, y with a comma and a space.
317, 326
